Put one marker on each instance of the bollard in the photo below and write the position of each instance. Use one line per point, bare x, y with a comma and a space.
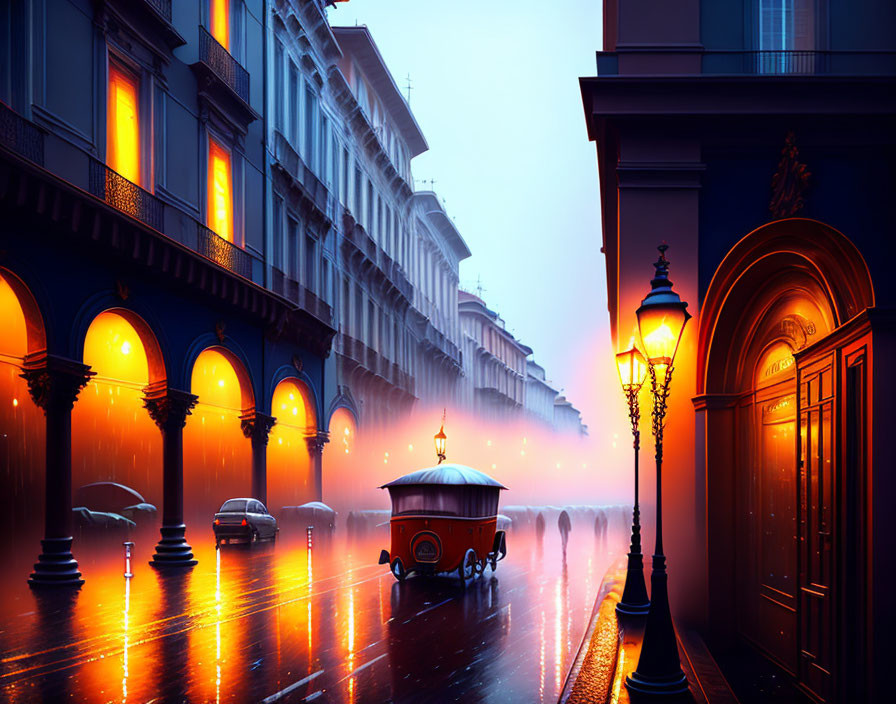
308, 532
127, 559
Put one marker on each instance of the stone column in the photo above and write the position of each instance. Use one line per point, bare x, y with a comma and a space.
257, 427
169, 409
316, 444
54, 383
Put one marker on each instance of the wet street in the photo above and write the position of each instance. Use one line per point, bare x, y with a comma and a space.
286, 623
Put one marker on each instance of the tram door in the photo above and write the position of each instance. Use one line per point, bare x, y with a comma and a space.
817, 521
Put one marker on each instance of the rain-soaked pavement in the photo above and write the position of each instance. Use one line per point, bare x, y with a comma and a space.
285, 623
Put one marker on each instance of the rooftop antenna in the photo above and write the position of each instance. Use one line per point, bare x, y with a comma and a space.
409, 87
479, 288
431, 182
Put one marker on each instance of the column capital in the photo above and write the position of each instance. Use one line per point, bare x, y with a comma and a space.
169, 408
54, 382
257, 426
316, 442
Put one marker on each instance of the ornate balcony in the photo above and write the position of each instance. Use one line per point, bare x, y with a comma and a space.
163, 7
223, 65
128, 197
222, 252
20, 135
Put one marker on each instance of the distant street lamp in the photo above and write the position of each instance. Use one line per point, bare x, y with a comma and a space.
440, 439
661, 320
632, 368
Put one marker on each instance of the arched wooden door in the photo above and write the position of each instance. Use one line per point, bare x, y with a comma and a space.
776, 370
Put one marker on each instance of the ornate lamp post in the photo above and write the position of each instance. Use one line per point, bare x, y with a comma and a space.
661, 320
632, 368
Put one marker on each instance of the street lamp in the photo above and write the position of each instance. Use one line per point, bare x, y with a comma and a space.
632, 368
661, 320
440, 439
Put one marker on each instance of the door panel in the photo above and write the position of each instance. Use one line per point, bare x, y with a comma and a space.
817, 517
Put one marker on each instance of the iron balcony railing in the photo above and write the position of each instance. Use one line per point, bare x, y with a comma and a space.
125, 195
860, 63
768, 63
20, 135
220, 251
223, 65
163, 7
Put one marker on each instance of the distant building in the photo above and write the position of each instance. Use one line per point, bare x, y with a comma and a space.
438, 249
540, 395
567, 418
494, 362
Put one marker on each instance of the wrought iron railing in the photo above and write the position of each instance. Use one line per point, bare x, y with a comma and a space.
860, 63
220, 251
125, 195
163, 7
223, 65
20, 135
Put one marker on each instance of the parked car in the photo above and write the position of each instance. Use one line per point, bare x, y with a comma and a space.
244, 521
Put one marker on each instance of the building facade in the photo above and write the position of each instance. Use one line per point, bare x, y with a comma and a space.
753, 138
494, 363
540, 395
156, 347
438, 249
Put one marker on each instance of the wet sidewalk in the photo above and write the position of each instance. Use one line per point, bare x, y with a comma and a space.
610, 652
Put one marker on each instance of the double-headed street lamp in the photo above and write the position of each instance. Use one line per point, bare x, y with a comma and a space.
661, 320
632, 368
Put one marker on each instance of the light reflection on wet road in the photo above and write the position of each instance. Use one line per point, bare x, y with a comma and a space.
280, 623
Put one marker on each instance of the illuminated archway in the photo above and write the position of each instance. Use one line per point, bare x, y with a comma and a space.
290, 471
340, 463
785, 288
217, 456
113, 437
22, 424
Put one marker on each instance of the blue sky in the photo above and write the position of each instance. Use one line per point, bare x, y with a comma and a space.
495, 90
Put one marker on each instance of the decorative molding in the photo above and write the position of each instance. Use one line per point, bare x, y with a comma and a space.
168, 408
316, 443
789, 182
54, 382
257, 426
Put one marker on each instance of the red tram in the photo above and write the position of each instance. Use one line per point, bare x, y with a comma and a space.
444, 519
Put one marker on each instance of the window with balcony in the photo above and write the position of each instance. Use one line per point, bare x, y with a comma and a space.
279, 97
123, 123
294, 100
310, 259
786, 36
219, 19
219, 208
291, 267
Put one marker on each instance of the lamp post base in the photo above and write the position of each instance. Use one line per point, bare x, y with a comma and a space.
657, 687
634, 600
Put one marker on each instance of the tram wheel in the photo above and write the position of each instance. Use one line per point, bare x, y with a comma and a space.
398, 570
468, 567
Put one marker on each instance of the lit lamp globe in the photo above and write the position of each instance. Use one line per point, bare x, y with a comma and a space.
661, 319
440, 439
632, 368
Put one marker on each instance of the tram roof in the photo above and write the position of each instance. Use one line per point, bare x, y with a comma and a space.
447, 474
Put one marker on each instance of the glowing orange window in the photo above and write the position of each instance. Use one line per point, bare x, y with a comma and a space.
123, 128
220, 21
220, 191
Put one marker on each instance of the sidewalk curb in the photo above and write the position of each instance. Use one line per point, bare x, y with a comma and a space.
599, 663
